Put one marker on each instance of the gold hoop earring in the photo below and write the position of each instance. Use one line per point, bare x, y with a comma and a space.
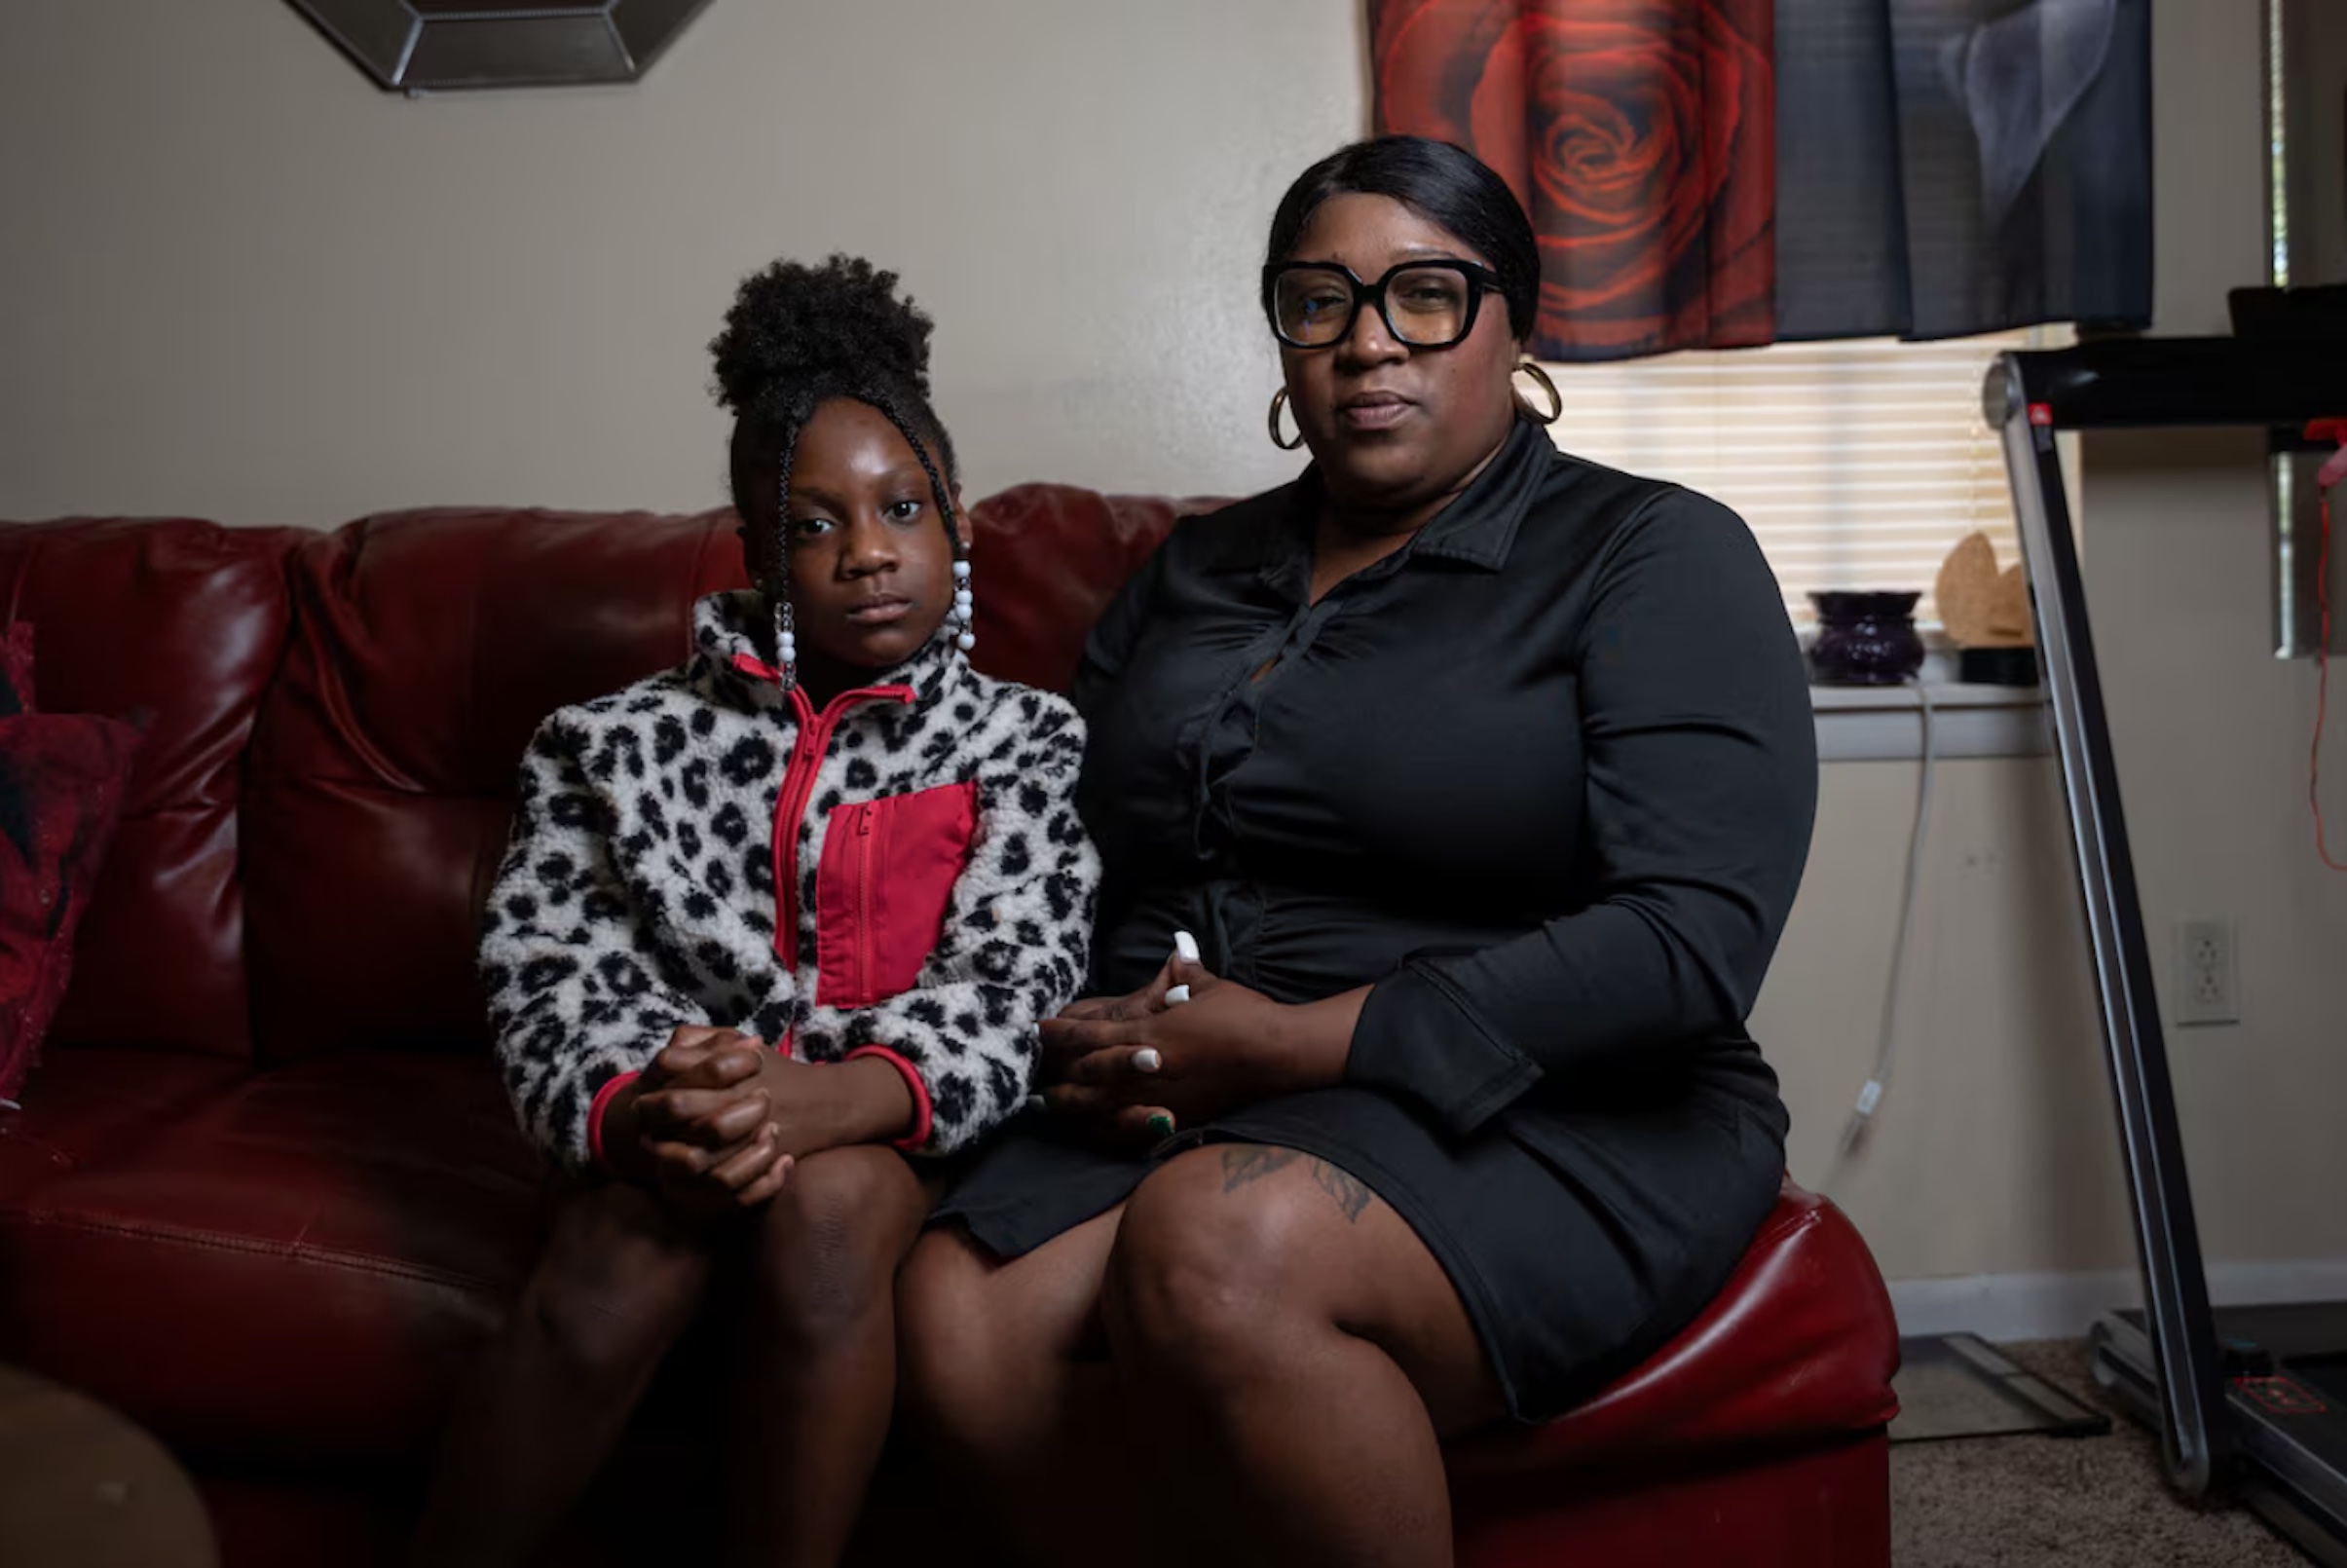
1278, 401
1556, 399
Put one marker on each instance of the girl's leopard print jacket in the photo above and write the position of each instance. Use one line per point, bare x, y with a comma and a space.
941, 884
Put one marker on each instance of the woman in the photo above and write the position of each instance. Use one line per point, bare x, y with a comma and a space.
1485, 777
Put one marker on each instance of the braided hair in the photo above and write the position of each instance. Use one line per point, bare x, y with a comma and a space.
797, 336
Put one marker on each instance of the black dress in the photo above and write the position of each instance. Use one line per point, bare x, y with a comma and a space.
1542, 778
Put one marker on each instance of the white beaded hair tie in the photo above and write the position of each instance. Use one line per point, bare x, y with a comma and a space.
963, 639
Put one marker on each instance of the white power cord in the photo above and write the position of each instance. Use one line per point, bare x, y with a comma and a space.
1887, 1052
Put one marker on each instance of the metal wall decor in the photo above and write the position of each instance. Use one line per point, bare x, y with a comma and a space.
437, 46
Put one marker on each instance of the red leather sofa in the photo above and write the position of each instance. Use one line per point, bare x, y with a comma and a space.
265, 1197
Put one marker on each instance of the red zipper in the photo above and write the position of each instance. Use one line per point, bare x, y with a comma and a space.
864, 856
797, 787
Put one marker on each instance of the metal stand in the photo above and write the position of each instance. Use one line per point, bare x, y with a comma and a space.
2017, 400
2171, 1359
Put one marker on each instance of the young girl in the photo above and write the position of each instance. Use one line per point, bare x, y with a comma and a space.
771, 923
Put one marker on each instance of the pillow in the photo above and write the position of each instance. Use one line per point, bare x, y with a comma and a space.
61, 779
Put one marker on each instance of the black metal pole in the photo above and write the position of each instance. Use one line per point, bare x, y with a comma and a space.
2175, 1291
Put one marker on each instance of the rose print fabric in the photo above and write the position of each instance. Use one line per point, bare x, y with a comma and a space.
1640, 135
1722, 173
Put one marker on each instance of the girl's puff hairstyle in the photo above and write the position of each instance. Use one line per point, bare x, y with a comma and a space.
797, 336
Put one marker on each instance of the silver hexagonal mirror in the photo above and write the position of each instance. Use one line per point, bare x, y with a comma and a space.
436, 46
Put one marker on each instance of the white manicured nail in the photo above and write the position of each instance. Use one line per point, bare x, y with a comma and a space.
1185, 946
1146, 1061
1175, 996
1032, 1103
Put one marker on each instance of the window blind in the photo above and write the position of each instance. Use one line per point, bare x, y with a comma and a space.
1857, 464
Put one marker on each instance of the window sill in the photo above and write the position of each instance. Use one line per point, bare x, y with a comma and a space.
1866, 723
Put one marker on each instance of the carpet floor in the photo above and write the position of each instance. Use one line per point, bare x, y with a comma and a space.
2076, 1502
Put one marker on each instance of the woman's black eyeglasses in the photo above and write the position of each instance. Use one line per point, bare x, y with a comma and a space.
1424, 304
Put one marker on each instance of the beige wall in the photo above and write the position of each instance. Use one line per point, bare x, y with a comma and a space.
240, 283
1992, 1151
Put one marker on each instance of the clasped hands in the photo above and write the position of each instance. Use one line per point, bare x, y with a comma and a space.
717, 1120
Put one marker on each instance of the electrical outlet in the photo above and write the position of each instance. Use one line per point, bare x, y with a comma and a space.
2207, 987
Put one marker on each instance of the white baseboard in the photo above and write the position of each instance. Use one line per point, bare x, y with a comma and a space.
2000, 1307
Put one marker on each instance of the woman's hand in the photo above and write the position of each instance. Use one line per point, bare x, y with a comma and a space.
1132, 1126
697, 1128
1225, 1045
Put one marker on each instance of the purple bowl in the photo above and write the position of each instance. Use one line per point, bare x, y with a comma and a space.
1865, 639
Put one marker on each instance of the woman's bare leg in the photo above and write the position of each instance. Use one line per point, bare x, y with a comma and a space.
1300, 1355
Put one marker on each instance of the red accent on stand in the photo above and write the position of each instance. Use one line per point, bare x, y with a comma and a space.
2333, 430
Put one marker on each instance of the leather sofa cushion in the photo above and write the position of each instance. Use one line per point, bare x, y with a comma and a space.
92, 1103
187, 620
427, 648
294, 1271
1045, 561
1801, 1344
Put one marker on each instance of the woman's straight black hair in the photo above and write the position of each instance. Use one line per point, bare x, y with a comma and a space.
1446, 185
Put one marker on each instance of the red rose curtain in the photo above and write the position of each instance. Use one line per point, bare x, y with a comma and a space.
1720, 173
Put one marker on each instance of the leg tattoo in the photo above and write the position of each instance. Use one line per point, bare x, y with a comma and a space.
1242, 1162
1351, 1195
